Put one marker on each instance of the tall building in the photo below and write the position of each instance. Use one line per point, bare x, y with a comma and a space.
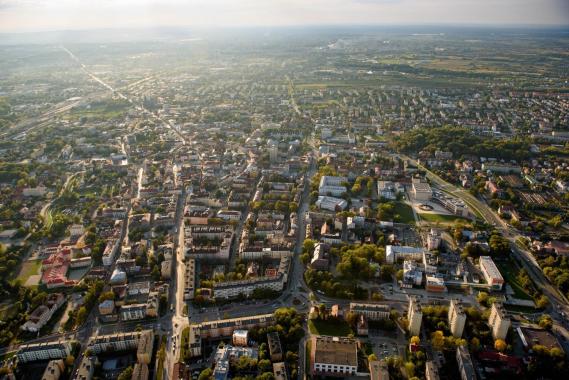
456, 318
433, 239
465, 366
499, 321
414, 316
43, 351
378, 370
431, 371
53, 370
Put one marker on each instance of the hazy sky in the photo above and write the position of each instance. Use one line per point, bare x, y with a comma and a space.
34, 15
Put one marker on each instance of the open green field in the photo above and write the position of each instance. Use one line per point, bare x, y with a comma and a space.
29, 268
405, 213
329, 327
509, 271
439, 218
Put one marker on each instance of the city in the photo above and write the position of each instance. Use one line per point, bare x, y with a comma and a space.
382, 203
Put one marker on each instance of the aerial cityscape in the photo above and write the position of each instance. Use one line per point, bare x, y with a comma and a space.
284, 202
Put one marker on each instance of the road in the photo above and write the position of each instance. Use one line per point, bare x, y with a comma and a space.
524, 257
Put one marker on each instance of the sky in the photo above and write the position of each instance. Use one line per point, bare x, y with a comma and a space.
42, 15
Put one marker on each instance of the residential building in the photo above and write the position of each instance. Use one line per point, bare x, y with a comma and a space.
43, 351
465, 365
378, 370
431, 371
133, 312
491, 273
433, 239
331, 203
499, 321
319, 258
456, 318
435, 284
228, 354
145, 346
275, 348
414, 316
395, 252
119, 342
373, 312
53, 370
333, 356
189, 279
223, 328
43, 313
332, 186
279, 371
240, 338
86, 368
140, 371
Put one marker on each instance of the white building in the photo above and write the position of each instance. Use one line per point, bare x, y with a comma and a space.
331, 203
373, 312
332, 186
491, 273
499, 321
421, 190
240, 338
456, 318
43, 351
333, 356
395, 252
433, 239
414, 316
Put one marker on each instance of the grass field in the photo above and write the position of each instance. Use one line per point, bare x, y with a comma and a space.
509, 271
329, 327
405, 213
439, 218
29, 268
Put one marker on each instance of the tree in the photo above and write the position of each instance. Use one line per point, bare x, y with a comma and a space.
81, 316
482, 298
475, 344
387, 272
264, 365
372, 358
438, 340
206, 374
126, 374
500, 345
546, 322
69, 360
415, 340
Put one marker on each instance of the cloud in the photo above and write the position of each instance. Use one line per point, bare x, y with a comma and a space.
18, 15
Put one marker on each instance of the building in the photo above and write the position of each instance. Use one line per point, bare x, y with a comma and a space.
433, 239
362, 326
435, 284
372, 311
275, 348
319, 258
465, 365
532, 336
412, 274
240, 338
279, 371
119, 342
145, 346
378, 370
86, 368
332, 186
43, 313
333, 356
107, 307
395, 252
228, 354
431, 371
421, 190
491, 273
456, 318
43, 351
140, 371
189, 279
53, 370
499, 321
223, 328
414, 316
331, 203
133, 312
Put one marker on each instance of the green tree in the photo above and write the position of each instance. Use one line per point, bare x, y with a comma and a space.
126, 374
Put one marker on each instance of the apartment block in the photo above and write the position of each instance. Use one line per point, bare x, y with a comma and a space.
43, 351
414, 316
499, 321
333, 356
373, 312
456, 318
